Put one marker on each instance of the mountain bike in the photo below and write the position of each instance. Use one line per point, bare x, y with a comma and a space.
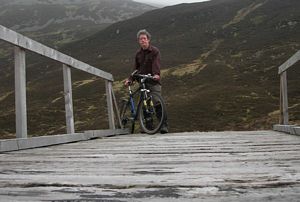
150, 109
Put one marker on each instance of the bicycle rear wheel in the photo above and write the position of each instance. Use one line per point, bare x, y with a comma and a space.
152, 113
126, 116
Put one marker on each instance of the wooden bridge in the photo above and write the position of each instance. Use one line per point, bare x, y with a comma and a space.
198, 166
213, 166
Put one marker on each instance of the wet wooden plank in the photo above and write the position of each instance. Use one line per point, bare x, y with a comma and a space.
214, 166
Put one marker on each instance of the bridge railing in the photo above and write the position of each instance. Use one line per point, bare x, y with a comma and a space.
23, 44
284, 113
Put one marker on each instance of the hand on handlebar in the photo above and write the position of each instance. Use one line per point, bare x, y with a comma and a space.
135, 75
127, 82
156, 77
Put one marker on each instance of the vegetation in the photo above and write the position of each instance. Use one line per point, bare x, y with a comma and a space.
220, 61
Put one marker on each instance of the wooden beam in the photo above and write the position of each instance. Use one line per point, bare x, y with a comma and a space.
110, 109
19, 40
280, 104
284, 97
117, 109
290, 62
68, 99
42, 141
291, 129
20, 93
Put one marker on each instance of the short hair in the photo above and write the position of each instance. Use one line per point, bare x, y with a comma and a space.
145, 32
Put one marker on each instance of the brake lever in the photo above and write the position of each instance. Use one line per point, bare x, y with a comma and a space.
134, 72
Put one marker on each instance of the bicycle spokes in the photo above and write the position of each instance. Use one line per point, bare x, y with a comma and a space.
151, 114
127, 116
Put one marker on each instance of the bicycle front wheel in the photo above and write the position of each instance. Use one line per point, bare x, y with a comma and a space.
152, 113
126, 116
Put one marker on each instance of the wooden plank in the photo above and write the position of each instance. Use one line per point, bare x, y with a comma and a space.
20, 93
19, 40
297, 130
290, 62
43, 141
284, 128
105, 133
291, 129
284, 98
213, 166
8, 145
68, 99
110, 109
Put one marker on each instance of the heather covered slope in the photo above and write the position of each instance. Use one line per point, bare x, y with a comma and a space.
57, 22
220, 61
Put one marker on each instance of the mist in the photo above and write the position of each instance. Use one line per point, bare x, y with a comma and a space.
168, 2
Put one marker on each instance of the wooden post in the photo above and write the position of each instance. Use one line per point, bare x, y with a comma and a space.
20, 93
110, 109
117, 109
280, 103
68, 99
284, 98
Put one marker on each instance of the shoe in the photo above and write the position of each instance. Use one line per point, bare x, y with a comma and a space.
164, 130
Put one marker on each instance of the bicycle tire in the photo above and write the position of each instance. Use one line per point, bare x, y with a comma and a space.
126, 116
152, 116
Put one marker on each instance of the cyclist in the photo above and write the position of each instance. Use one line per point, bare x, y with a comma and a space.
147, 61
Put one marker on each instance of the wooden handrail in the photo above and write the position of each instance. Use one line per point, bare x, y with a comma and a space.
282, 71
23, 43
290, 62
26, 43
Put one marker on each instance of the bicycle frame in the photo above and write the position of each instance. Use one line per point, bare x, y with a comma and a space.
149, 110
143, 96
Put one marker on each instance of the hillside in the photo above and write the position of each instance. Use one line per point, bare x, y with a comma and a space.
220, 61
56, 22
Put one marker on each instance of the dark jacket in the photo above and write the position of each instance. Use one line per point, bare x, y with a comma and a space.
148, 61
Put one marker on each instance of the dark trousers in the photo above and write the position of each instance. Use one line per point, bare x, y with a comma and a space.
156, 88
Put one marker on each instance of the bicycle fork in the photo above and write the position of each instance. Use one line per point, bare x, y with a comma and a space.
146, 99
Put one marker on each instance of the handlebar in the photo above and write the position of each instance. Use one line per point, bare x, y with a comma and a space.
145, 76
141, 77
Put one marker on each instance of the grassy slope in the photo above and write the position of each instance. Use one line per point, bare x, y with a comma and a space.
220, 62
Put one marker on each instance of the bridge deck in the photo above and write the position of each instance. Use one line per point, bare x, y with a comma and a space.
227, 166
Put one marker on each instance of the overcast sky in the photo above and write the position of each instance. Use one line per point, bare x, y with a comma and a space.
168, 2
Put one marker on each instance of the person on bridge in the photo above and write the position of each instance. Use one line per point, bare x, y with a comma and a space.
147, 61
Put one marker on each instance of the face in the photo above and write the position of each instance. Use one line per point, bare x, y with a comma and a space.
144, 41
